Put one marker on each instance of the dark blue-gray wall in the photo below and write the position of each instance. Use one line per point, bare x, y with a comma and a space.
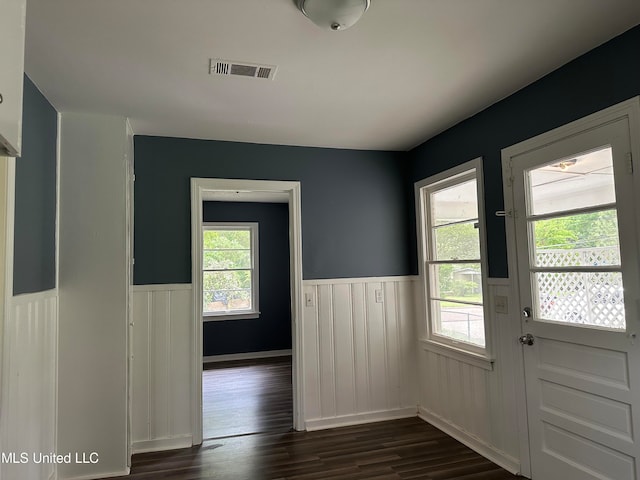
34, 251
358, 220
354, 204
272, 331
602, 77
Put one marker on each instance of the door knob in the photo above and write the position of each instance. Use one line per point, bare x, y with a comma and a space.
526, 312
526, 339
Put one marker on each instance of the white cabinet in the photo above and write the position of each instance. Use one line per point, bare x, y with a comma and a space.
12, 23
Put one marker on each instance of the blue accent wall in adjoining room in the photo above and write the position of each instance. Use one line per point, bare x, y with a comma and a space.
34, 251
272, 330
354, 204
598, 79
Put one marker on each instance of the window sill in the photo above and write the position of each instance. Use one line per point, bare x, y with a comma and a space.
459, 354
218, 317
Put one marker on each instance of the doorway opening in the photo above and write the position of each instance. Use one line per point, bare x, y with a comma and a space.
246, 309
244, 397
232, 190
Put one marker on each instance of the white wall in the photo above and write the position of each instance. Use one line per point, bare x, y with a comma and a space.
363, 361
359, 354
93, 288
473, 404
161, 347
29, 389
4, 200
359, 357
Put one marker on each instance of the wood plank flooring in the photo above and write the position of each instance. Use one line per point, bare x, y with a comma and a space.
398, 449
247, 396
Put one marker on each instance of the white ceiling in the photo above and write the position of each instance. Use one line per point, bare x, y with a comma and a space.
407, 71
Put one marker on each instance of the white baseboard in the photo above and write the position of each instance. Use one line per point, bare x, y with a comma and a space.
246, 356
93, 476
498, 457
161, 444
360, 418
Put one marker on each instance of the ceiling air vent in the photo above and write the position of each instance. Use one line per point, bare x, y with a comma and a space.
242, 69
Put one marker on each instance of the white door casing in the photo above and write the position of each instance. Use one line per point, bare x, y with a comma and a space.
582, 381
279, 191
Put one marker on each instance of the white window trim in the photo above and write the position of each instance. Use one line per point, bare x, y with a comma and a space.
255, 277
429, 339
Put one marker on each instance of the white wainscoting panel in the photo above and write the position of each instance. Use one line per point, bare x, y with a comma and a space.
161, 373
359, 351
28, 421
475, 405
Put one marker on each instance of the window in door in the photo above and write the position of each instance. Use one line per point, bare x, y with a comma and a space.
573, 227
230, 270
452, 255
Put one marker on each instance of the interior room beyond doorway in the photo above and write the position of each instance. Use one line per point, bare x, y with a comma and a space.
243, 397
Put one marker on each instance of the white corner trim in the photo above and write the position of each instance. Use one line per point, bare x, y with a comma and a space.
338, 281
498, 457
165, 287
58, 183
161, 444
360, 418
246, 356
9, 229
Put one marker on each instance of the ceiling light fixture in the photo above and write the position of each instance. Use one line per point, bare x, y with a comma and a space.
563, 165
334, 14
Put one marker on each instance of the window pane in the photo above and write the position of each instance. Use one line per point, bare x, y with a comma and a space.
588, 239
578, 182
226, 300
457, 242
218, 239
454, 204
234, 280
459, 281
594, 299
459, 321
221, 259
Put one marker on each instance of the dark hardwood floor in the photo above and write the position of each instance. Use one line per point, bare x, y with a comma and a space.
247, 396
398, 449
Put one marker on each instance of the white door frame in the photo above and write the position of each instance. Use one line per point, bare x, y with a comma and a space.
201, 188
629, 109
128, 160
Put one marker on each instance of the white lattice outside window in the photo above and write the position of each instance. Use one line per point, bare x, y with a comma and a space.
573, 226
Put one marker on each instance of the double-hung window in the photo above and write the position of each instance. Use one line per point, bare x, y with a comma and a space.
230, 270
450, 216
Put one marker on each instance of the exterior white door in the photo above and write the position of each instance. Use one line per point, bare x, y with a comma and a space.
574, 220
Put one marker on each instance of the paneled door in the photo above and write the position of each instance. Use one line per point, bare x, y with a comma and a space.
574, 221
